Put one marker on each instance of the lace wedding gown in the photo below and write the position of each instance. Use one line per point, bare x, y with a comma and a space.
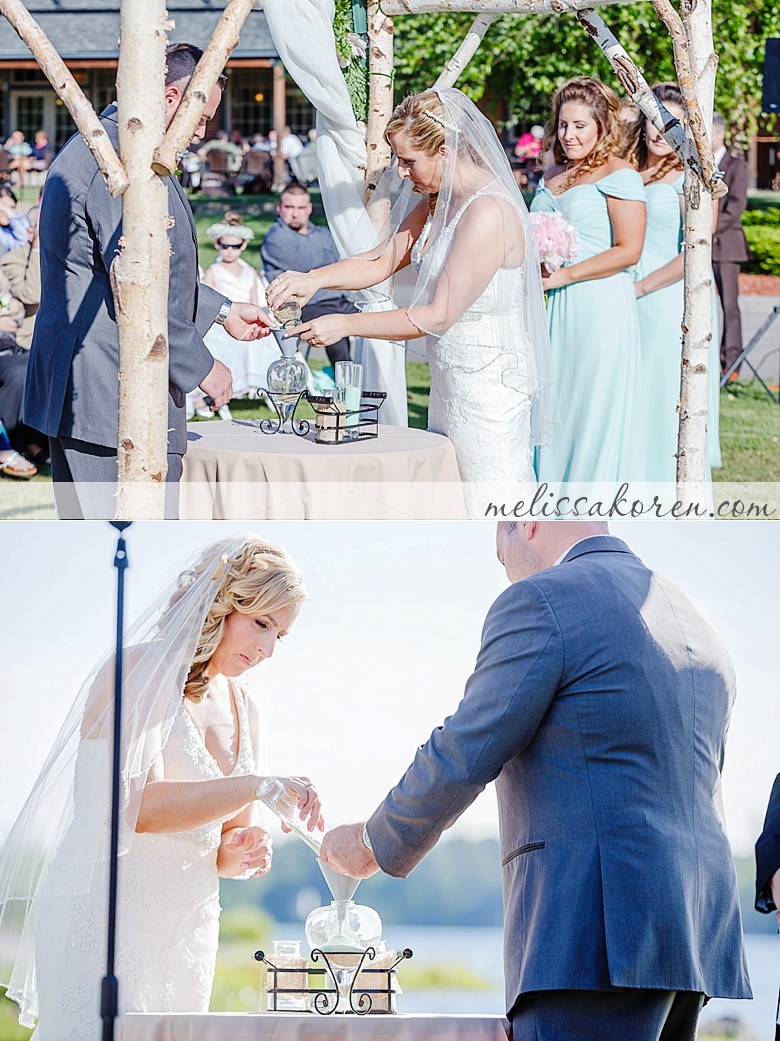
168, 911
478, 396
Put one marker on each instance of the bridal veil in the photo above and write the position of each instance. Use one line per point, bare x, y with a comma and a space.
160, 647
475, 166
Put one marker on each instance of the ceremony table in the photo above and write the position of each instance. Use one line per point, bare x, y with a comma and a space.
292, 1026
233, 471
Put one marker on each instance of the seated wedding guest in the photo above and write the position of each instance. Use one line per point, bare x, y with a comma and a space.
16, 145
659, 291
42, 152
26, 447
13, 224
293, 243
12, 463
605, 733
39, 158
768, 867
729, 246
22, 267
232, 276
222, 143
189, 785
592, 312
290, 145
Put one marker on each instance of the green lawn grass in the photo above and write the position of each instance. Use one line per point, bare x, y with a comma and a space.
749, 434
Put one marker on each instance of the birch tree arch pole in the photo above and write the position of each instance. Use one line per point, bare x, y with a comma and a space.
188, 115
139, 275
696, 65
460, 59
380, 96
694, 152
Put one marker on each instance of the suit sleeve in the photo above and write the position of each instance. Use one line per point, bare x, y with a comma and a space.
732, 205
768, 851
517, 674
189, 359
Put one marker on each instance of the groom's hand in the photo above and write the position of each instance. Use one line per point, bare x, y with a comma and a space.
247, 322
343, 850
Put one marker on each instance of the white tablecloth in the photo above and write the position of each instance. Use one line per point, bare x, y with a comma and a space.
233, 471
291, 1026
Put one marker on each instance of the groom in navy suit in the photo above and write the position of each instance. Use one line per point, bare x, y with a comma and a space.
599, 704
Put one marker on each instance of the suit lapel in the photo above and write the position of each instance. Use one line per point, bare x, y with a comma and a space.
176, 192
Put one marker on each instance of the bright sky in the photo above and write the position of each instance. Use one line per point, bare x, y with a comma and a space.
379, 655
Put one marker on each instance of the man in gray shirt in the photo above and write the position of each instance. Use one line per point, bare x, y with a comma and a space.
293, 243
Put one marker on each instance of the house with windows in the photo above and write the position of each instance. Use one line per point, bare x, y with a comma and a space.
85, 33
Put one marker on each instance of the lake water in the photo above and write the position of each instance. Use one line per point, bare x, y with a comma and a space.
481, 951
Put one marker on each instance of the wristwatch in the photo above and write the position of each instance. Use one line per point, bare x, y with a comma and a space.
366, 839
223, 312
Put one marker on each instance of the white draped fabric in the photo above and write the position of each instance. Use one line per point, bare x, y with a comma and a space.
302, 31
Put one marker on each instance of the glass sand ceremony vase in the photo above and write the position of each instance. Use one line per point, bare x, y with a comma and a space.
287, 379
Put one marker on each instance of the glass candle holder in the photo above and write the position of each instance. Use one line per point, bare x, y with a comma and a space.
349, 376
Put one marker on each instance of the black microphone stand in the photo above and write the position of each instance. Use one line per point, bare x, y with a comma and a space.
109, 991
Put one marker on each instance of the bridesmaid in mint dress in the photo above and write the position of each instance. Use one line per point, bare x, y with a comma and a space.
659, 290
593, 321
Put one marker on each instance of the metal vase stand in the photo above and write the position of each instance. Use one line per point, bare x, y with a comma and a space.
325, 1000
276, 424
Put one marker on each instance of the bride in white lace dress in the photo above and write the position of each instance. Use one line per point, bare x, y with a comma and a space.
189, 777
477, 299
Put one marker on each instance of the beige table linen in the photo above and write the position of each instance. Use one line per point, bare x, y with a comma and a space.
291, 1026
232, 471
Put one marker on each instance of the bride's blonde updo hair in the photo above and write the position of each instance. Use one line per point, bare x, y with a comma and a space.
604, 106
421, 117
254, 578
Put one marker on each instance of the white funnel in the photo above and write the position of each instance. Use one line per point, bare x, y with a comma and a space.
342, 887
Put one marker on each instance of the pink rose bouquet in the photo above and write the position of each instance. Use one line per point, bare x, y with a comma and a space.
556, 239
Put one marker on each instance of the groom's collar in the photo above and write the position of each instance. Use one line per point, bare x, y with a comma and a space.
593, 544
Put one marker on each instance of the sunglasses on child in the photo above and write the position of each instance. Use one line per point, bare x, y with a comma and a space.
229, 245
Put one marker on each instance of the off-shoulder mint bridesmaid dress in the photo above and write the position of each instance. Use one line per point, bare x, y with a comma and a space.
660, 330
594, 331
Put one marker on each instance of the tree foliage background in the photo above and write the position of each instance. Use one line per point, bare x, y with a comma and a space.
523, 58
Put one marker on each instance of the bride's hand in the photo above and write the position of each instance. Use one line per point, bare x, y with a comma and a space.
308, 802
299, 286
322, 331
245, 849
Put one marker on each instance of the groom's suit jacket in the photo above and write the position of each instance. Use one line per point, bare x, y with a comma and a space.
768, 851
599, 703
73, 374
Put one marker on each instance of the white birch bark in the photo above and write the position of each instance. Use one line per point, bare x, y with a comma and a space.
696, 64
66, 88
396, 7
189, 113
380, 97
460, 59
140, 271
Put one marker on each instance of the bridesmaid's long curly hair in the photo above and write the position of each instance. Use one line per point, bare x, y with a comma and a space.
255, 578
604, 106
